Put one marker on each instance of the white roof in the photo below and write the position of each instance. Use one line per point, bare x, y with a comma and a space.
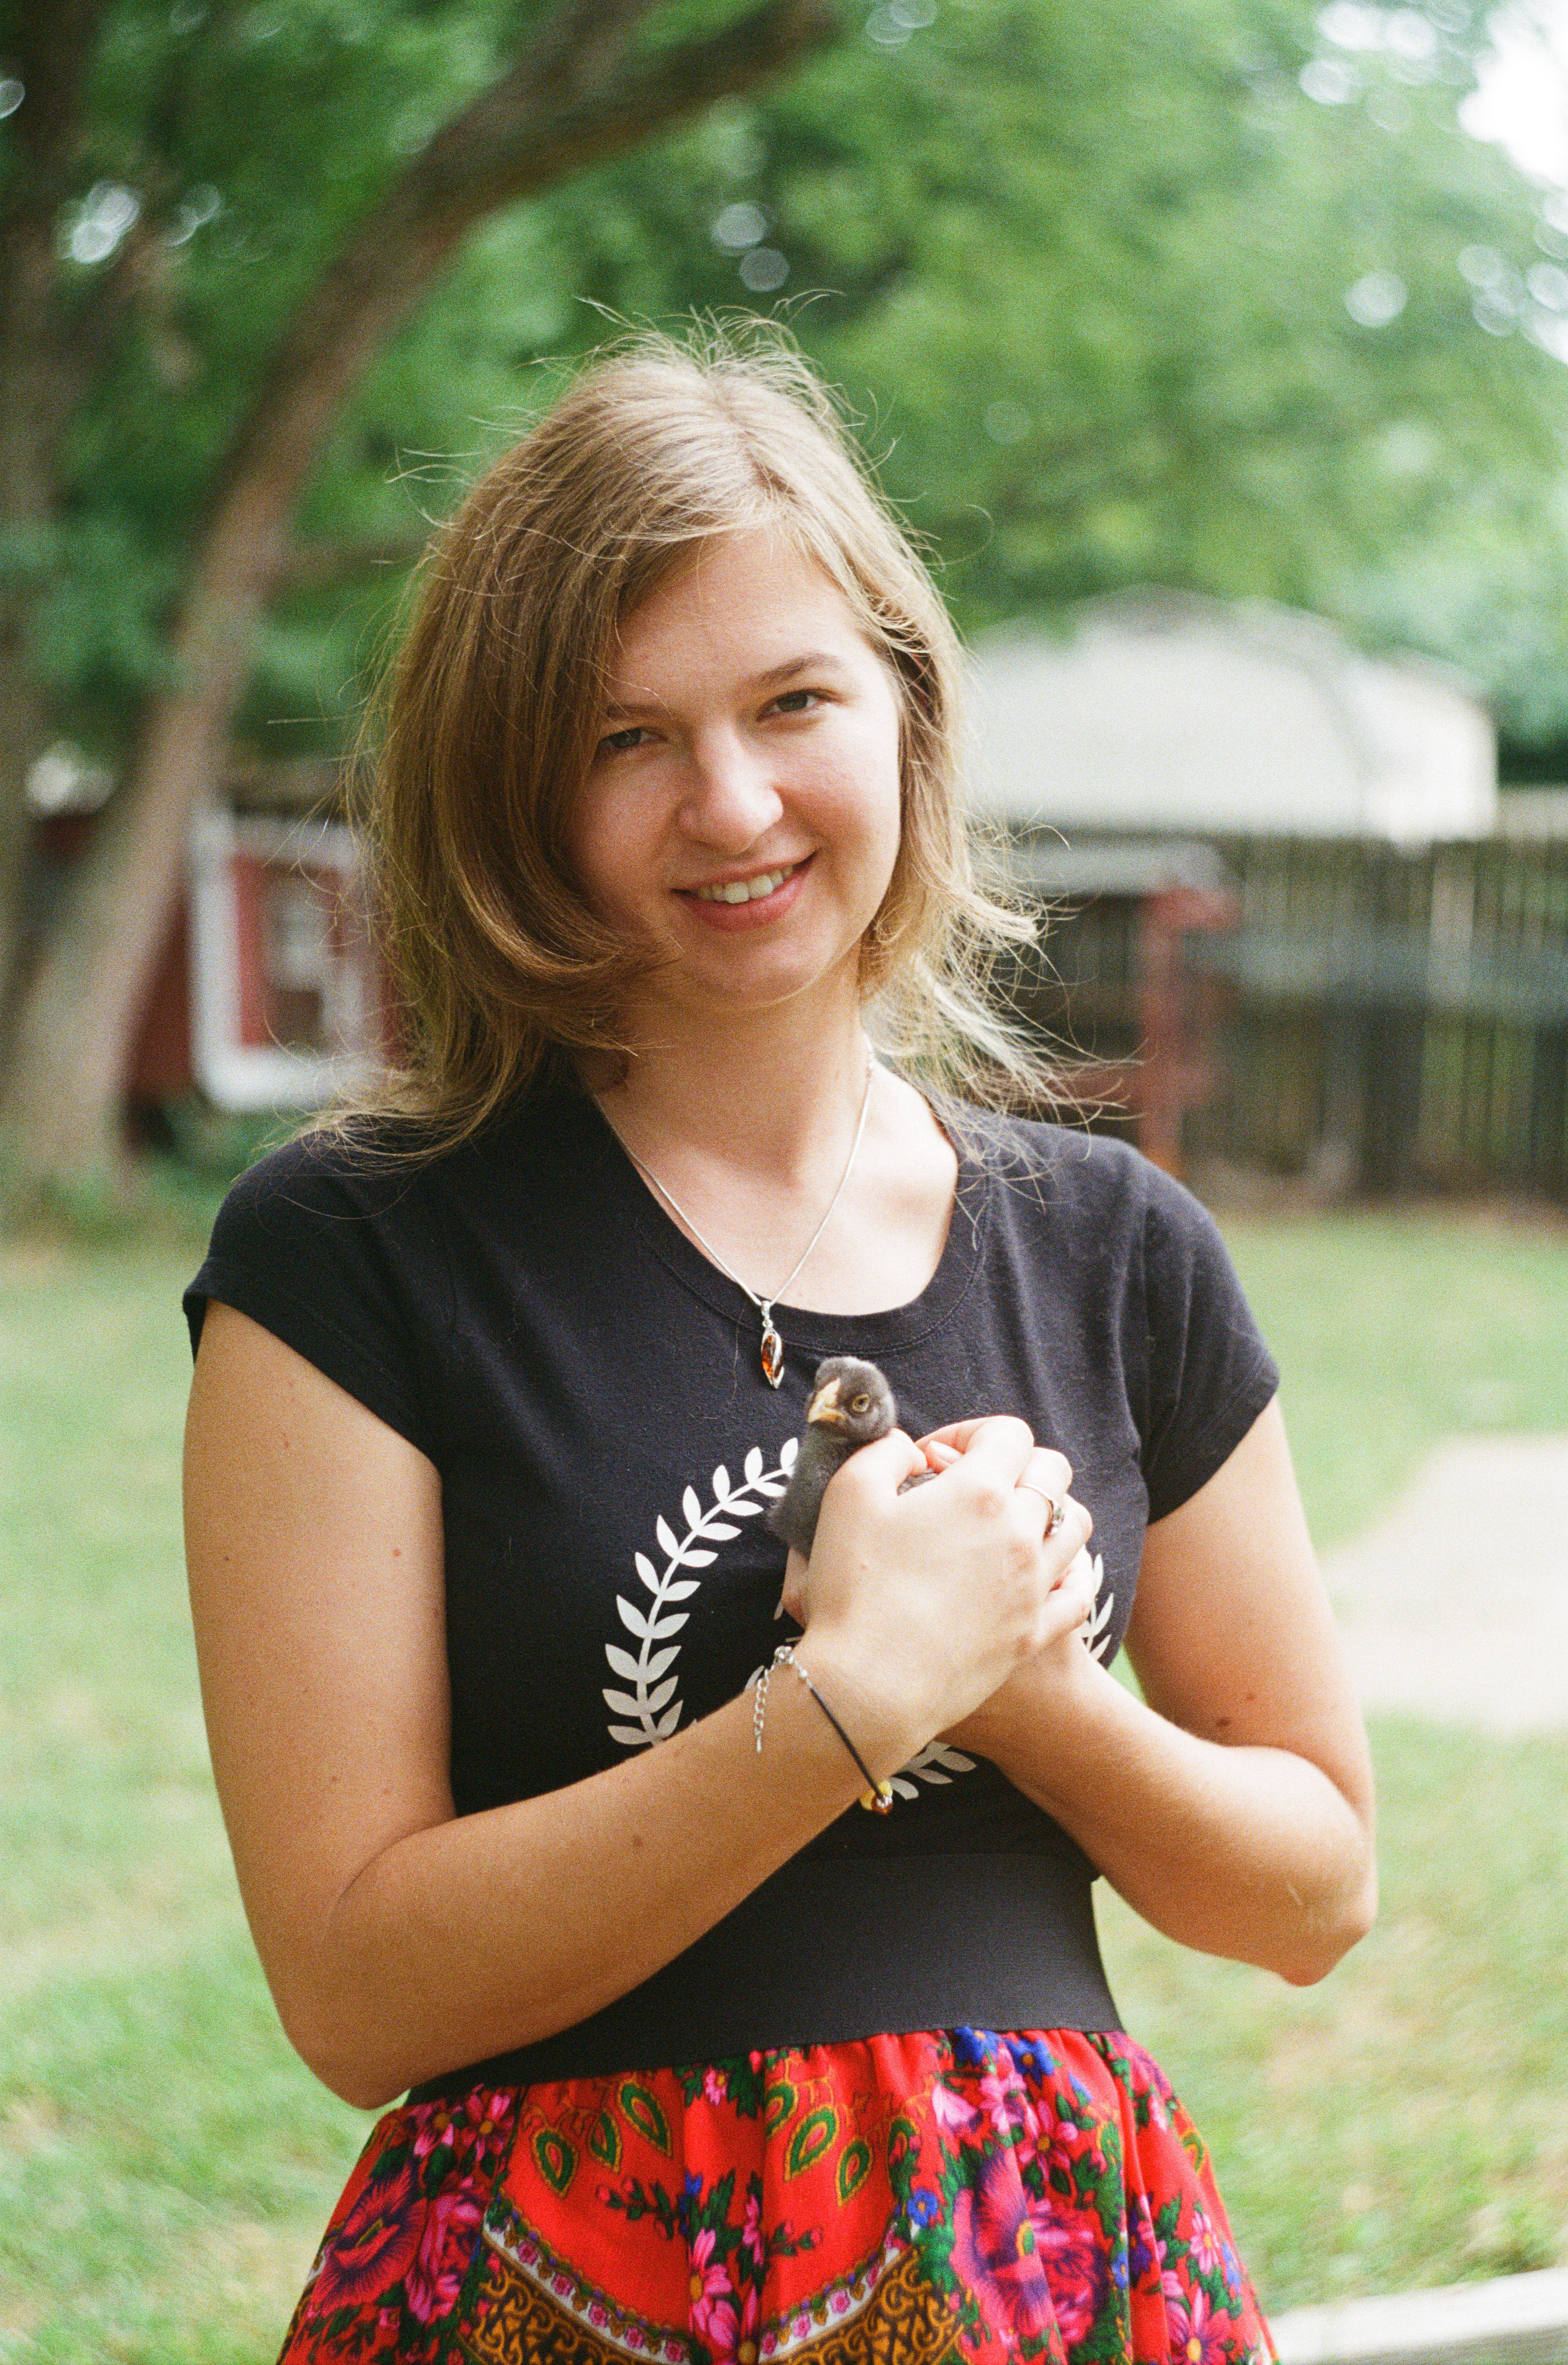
1166, 711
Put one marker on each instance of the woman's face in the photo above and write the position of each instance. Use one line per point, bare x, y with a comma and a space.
741, 811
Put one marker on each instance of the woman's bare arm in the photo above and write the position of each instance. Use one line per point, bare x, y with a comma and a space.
400, 1940
1234, 1810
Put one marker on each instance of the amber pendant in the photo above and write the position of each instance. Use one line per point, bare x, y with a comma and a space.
772, 1351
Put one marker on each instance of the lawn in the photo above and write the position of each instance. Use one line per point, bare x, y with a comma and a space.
165, 2165
1393, 1331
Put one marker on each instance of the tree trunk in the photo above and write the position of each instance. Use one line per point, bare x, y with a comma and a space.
23, 725
48, 48
73, 1036
61, 1112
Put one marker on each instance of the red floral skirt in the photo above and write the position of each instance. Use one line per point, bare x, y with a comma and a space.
958, 2196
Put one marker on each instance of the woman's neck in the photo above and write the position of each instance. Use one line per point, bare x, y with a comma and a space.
752, 1135
765, 1096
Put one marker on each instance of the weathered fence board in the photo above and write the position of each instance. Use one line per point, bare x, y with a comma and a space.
1390, 1019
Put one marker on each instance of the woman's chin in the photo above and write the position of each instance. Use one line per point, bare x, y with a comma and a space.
774, 982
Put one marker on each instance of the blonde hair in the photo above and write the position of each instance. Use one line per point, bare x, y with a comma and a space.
491, 714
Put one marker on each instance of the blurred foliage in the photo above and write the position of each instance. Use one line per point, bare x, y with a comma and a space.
1212, 292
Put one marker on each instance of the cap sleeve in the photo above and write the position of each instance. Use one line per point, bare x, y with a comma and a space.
1209, 1373
322, 1246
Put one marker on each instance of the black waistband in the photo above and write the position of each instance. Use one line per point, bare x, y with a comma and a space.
832, 1948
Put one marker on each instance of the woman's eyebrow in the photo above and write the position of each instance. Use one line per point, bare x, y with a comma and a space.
615, 710
815, 661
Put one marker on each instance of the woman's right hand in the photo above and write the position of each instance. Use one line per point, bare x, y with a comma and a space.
916, 1606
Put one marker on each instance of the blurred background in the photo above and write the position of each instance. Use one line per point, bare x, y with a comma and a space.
1219, 349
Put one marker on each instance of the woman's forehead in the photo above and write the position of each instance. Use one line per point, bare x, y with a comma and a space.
749, 603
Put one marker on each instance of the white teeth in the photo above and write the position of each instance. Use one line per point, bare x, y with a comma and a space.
746, 891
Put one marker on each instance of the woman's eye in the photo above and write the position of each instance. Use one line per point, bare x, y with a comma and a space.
797, 702
621, 743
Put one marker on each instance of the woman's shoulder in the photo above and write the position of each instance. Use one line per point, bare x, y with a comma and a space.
361, 1165
1092, 1207
1071, 1174
382, 1166
338, 1243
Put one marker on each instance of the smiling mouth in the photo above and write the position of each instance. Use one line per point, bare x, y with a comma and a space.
745, 890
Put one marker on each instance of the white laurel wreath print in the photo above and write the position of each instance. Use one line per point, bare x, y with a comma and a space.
1097, 1626
652, 1701
651, 1669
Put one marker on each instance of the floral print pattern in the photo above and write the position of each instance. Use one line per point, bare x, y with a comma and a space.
961, 2196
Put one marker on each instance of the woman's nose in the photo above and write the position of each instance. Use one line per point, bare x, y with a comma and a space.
731, 796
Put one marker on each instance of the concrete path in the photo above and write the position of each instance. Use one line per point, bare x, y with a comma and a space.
1518, 2320
1455, 1605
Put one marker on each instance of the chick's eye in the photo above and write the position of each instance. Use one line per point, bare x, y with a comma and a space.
861, 1402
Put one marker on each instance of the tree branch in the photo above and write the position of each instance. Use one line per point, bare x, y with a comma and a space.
50, 53
549, 116
533, 126
54, 43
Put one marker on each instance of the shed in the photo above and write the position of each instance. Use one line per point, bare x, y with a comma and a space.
1165, 711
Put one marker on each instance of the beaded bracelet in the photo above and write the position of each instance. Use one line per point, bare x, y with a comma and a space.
879, 1796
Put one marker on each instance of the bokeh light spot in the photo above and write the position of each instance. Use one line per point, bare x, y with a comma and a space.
886, 29
764, 269
1376, 298
102, 219
1329, 82
1483, 266
738, 226
1351, 26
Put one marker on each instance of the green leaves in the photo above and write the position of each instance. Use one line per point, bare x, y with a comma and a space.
1115, 297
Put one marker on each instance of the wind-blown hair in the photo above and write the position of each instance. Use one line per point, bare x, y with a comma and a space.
489, 716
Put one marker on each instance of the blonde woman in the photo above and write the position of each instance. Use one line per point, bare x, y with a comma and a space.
498, 1380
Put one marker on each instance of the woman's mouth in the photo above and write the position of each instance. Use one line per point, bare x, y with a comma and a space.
746, 891
738, 905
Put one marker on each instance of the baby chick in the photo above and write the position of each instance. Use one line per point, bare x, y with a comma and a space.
851, 1404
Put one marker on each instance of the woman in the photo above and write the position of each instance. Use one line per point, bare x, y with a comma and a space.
495, 1385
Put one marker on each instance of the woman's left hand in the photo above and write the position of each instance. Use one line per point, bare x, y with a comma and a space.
1048, 1679
1049, 1683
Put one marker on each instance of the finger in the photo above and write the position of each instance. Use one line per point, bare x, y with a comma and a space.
883, 1466
1078, 1581
1070, 1603
1048, 1471
952, 1433
1079, 1522
792, 1600
1059, 1518
957, 1433
1048, 1479
998, 1447
1069, 1536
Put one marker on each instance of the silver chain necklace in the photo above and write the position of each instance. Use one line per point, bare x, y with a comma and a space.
772, 1344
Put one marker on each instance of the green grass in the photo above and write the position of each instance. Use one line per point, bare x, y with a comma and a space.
165, 2164
1405, 2121
1393, 1331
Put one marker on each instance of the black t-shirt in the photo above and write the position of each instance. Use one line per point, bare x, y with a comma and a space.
587, 1385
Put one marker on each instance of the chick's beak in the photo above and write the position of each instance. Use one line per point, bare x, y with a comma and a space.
825, 1406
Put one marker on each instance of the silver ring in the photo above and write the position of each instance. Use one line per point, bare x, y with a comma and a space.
1056, 1508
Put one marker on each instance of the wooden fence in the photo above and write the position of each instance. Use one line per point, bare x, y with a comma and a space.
1385, 1020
